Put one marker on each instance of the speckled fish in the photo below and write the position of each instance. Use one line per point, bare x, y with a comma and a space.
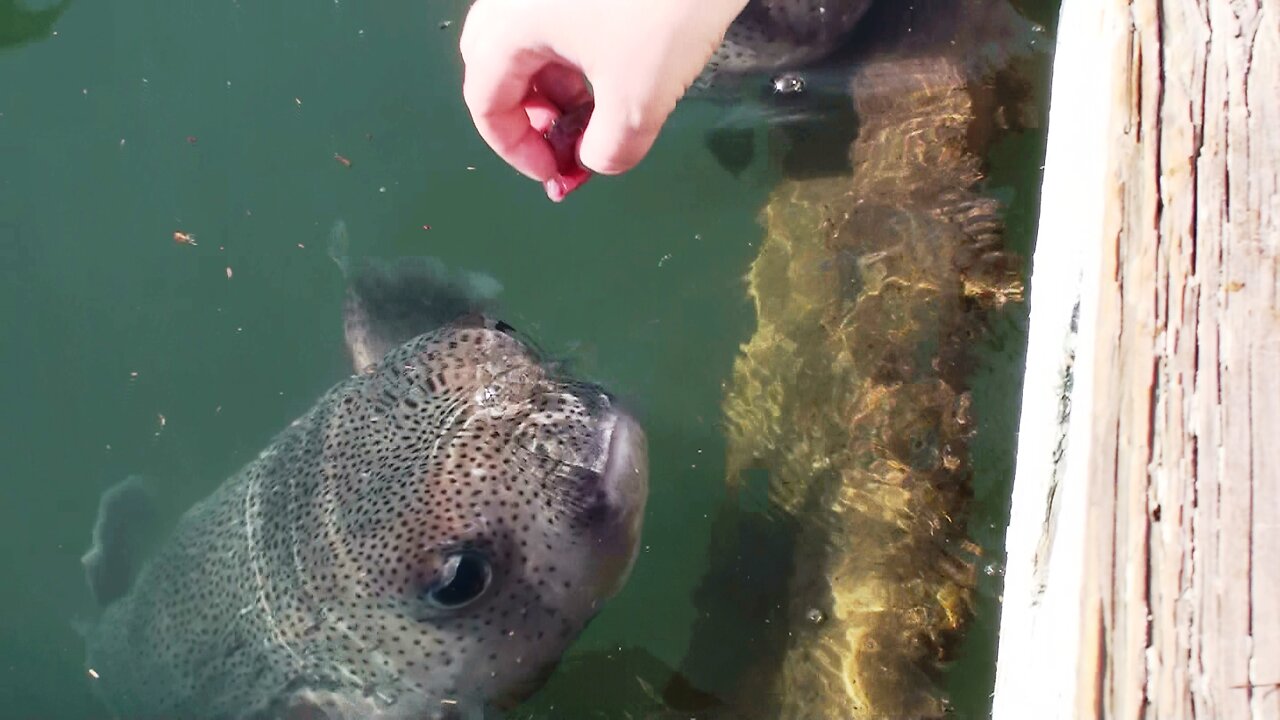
779, 66
425, 542
781, 37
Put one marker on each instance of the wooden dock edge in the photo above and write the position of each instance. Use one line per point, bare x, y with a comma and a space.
1143, 568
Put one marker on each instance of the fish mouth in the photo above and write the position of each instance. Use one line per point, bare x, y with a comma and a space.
625, 484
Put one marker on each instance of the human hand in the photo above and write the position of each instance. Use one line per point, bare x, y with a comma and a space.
528, 64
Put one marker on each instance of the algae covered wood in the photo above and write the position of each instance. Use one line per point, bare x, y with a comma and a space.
849, 413
1169, 518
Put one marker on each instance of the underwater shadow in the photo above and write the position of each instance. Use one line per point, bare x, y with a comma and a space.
20, 25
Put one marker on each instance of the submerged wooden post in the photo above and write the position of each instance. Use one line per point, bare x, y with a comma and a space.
1143, 574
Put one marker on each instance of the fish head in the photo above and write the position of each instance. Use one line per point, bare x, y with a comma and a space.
482, 509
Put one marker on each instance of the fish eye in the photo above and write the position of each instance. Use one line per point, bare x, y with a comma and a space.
463, 578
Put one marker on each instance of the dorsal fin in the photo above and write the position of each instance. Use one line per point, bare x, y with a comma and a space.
126, 528
390, 302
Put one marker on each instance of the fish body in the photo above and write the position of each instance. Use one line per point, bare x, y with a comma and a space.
424, 542
780, 65
782, 35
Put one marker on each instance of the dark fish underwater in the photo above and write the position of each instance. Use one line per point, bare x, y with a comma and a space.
793, 67
425, 542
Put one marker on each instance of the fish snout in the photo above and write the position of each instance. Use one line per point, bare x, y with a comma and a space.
622, 494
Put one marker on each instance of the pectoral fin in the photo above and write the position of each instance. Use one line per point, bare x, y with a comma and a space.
123, 535
392, 301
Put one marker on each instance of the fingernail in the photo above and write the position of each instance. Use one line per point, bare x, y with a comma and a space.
556, 188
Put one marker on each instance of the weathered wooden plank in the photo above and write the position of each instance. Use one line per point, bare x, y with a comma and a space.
1178, 609
1042, 628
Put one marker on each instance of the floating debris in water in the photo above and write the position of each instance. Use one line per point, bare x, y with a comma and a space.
662, 261
191, 139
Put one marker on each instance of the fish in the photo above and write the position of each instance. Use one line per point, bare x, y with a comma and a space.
781, 36
779, 65
781, 51
425, 542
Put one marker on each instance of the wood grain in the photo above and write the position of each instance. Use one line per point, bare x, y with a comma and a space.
1179, 607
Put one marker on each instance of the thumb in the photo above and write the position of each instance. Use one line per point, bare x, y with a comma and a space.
620, 132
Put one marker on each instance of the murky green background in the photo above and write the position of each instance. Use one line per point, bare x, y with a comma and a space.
222, 119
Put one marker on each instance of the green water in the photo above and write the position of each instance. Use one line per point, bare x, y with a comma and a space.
222, 120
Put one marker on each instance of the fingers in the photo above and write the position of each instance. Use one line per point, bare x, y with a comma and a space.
564, 135
525, 64
558, 188
496, 81
563, 85
621, 131
558, 107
